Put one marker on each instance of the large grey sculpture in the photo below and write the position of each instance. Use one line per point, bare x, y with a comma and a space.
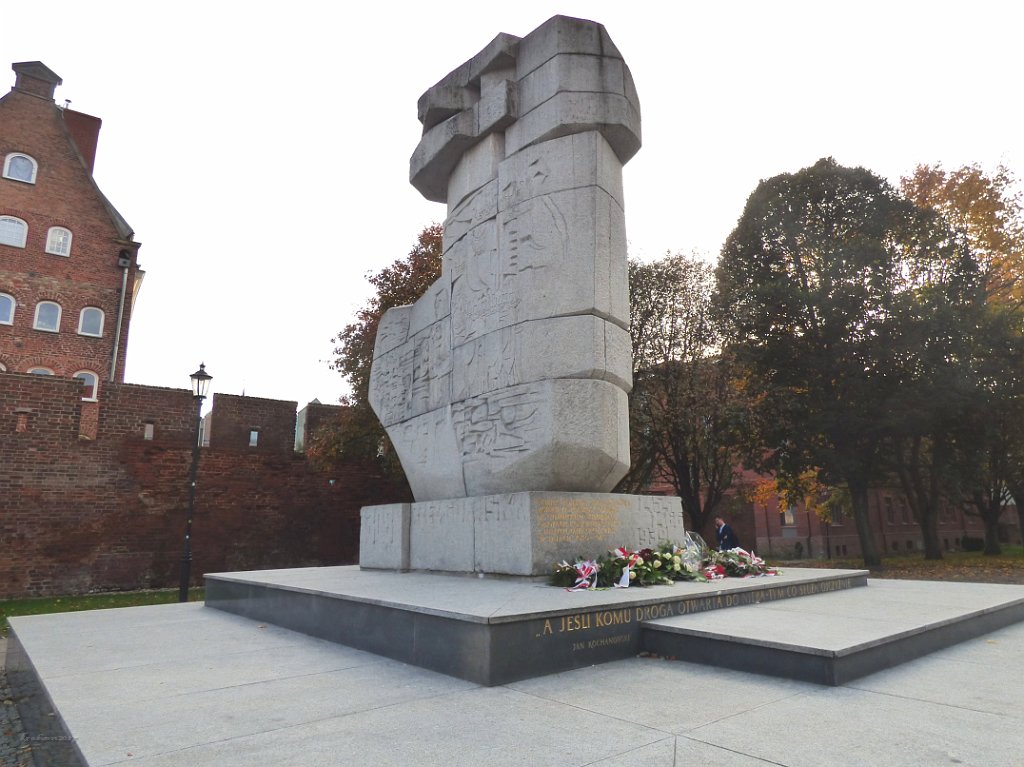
511, 373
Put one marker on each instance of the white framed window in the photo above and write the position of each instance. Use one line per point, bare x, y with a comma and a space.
91, 384
254, 437
90, 322
40, 371
13, 231
47, 317
7, 306
58, 241
20, 167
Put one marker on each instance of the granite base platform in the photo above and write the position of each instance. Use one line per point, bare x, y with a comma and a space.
832, 639
489, 630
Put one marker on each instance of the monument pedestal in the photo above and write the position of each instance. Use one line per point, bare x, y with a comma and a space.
498, 630
518, 534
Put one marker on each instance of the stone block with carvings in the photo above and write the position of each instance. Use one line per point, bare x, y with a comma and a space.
511, 373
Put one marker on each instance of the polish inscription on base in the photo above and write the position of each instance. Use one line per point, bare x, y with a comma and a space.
567, 520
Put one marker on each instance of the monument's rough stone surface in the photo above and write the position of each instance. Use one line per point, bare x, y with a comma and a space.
512, 534
511, 373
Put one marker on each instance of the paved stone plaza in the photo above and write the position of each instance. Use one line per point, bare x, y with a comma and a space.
184, 685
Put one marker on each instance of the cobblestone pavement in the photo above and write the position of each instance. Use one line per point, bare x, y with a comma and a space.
15, 750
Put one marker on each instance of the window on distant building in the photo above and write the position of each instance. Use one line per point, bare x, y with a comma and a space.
40, 371
20, 167
7, 304
787, 518
58, 241
890, 513
90, 322
147, 430
3, 368
91, 384
13, 231
254, 437
47, 316
904, 511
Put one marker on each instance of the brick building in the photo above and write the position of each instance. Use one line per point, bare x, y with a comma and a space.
777, 531
68, 260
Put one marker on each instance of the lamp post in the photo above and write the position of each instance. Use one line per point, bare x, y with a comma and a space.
200, 386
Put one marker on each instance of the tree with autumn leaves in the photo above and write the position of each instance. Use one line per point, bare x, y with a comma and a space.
359, 434
986, 466
864, 320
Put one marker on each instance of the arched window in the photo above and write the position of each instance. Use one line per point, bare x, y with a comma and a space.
20, 167
7, 304
90, 321
40, 371
58, 241
47, 317
13, 231
91, 384
3, 368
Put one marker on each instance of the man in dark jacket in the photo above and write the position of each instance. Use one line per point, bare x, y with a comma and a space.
726, 537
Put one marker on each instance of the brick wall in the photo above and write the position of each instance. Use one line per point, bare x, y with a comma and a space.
65, 195
234, 419
107, 511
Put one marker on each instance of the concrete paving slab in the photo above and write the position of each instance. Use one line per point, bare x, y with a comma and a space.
600, 715
208, 671
843, 727
171, 632
951, 679
485, 726
666, 704
680, 752
236, 711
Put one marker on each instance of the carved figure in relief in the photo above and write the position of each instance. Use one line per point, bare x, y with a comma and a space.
525, 143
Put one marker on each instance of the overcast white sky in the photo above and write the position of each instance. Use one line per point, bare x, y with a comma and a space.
260, 151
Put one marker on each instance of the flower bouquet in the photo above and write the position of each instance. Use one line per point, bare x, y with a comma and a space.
738, 563
621, 568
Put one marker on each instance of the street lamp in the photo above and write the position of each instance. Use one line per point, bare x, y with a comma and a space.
200, 386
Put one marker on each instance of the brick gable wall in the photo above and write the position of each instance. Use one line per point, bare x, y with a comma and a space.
62, 195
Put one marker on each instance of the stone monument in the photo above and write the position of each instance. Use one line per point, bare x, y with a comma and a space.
504, 388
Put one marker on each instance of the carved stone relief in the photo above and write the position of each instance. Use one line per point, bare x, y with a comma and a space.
511, 372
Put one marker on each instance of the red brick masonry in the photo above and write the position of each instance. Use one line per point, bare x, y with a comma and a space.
88, 504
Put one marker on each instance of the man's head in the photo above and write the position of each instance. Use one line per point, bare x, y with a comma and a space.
719, 521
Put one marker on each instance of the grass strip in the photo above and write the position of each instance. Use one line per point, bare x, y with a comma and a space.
46, 605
